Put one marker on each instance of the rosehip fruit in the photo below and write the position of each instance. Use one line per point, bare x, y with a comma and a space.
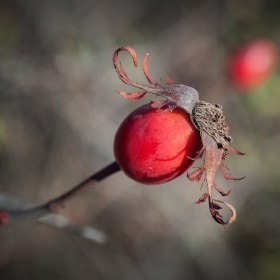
155, 146
251, 64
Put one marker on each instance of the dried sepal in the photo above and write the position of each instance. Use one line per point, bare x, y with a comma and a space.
220, 190
202, 183
123, 75
157, 104
170, 108
198, 156
128, 49
234, 151
196, 175
132, 95
215, 214
228, 176
168, 81
218, 217
216, 206
145, 68
202, 198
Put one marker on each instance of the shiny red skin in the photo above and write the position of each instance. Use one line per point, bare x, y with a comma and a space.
251, 64
152, 147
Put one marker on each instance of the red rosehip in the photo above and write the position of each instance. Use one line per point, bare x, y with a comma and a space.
152, 146
250, 64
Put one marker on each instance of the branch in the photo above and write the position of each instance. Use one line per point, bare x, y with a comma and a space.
56, 203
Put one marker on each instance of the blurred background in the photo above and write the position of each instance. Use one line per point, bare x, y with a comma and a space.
58, 116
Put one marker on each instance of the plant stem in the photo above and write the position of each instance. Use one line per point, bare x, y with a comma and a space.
54, 204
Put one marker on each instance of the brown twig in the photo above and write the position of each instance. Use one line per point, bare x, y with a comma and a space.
54, 204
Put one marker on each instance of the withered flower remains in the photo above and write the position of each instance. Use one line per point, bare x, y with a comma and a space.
207, 118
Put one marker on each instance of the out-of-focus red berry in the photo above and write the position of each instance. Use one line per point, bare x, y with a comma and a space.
250, 64
3, 217
152, 147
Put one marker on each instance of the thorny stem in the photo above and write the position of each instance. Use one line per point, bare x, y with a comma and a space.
54, 204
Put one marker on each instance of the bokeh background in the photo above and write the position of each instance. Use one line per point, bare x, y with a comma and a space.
58, 116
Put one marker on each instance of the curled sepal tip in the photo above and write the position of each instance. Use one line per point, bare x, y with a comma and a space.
124, 77
128, 49
214, 206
